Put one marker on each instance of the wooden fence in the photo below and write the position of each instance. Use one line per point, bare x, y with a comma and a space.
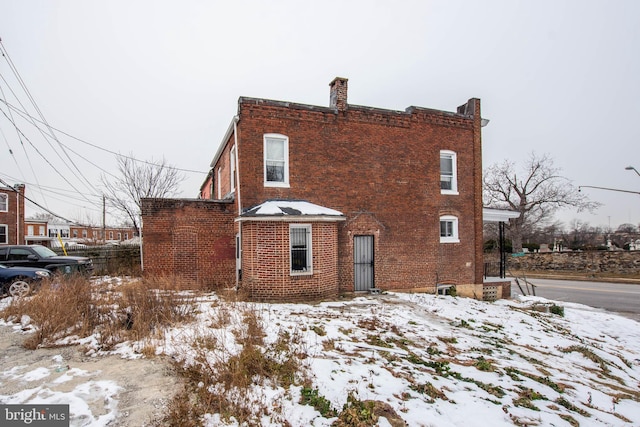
115, 260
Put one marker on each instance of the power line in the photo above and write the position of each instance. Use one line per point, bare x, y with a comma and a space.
35, 203
24, 87
19, 139
27, 115
44, 157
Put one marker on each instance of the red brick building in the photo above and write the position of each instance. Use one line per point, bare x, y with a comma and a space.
12, 214
305, 202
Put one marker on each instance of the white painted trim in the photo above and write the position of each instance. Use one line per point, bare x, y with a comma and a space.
309, 235
285, 139
454, 165
454, 220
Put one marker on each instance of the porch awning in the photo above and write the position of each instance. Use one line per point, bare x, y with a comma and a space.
498, 215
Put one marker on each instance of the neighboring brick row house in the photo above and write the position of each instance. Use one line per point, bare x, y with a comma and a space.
57, 233
306, 202
16, 230
12, 214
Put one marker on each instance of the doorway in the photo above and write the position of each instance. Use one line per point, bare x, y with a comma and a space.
363, 262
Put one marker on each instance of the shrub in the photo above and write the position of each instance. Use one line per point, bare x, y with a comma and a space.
557, 309
312, 397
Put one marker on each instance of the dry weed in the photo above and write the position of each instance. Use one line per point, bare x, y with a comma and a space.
59, 309
222, 379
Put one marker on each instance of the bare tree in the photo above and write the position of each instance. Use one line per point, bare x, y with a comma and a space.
536, 193
138, 180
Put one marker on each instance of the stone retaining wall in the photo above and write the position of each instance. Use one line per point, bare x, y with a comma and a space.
611, 262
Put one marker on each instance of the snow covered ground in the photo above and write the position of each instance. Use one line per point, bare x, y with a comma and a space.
435, 360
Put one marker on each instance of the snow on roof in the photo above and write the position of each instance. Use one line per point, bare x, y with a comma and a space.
290, 207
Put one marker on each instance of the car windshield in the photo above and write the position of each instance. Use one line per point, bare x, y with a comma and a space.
44, 252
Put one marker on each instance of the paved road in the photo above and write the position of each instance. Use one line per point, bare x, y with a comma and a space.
621, 298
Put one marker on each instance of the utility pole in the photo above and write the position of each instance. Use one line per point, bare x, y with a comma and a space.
104, 218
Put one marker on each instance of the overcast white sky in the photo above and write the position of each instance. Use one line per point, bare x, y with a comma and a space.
162, 79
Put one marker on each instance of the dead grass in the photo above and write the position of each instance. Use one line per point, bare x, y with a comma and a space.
59, 309
222, 381
70, 306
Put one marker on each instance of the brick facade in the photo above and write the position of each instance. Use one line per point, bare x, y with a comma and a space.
191, 239
265, 263
12, 219
380, 168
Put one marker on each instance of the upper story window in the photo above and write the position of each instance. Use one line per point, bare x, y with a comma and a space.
448, 172
300, 248
232, 169
449, 229
4, 202
219, 183
276, 160
4, 235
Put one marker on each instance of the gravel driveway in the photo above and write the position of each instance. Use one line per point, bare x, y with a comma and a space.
109, 390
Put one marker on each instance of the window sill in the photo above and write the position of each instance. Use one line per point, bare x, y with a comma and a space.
449, 192
277, 184
449, 240
301, 273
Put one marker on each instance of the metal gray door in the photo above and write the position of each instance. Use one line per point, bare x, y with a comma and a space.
363, 262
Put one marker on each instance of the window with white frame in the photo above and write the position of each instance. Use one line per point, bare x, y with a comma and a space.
4, 234
41, 230
84, 234
276, 160
232, 169
4, 202
449, 229
29, 230
448, 172
219, 183
300, 249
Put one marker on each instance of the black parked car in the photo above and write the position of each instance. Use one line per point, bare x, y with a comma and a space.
43, 257
20, 281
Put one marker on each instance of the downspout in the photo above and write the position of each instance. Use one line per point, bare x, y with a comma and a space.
238, 199
18, 242
235, 141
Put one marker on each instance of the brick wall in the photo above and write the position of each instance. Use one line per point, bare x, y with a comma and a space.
191, 239
266, 265
14, 217
381, 169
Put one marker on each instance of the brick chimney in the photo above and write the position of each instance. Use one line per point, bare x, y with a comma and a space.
338, 94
